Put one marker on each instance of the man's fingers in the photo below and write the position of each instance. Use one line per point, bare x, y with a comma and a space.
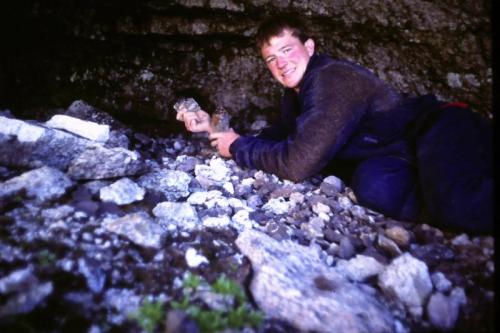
214, 143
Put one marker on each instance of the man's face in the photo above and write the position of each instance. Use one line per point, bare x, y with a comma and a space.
287, 58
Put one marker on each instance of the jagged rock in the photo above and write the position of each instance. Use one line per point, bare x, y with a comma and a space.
172, 184
98, 162
93, 274
278, 205
332, 185
122, 303
27, 300
86, 129
18, 280
359, 268
22, 292
193, 259
138, 227
122, 192
43, 184
292, 283
177, 216
443, 311
216, 173
217, 222
25, 144
23, 131
440, 282
399, 235
408, 279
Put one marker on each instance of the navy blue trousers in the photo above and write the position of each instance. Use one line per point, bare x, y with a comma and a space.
450, 181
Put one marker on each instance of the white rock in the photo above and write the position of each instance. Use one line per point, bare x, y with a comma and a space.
216, 221
24, 131
193, 259
278, 205
408, 279
86, 129
122, 192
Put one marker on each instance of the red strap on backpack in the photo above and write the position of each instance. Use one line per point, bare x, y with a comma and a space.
456, 105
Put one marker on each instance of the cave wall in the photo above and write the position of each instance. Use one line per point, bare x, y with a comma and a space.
135, 58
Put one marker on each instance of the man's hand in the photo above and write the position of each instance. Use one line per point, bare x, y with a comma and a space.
222, 140
198, 121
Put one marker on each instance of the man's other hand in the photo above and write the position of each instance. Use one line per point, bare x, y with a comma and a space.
222, 140
198, 121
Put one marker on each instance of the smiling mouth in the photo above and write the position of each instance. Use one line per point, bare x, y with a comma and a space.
287, 73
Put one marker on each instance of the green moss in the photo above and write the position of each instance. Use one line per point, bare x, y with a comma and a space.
240, 315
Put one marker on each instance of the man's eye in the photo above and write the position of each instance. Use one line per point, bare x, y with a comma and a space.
285, 51
269, 60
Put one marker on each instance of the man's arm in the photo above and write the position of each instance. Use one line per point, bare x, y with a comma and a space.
332, 102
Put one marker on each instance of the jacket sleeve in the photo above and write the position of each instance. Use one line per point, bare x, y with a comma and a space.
332, 103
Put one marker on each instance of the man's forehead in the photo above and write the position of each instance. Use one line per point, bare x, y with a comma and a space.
278, 41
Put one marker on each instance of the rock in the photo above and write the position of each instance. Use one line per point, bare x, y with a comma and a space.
440, 282
172, 184
43, 184
94, 275
346, 249
29, 145
23, 131
359, 268
122, 192
216, 173
176, 215
278, 205
217, 222
332, 185
399, 235
86, 129
193, 259
18, 280
99, 163
408, 279
121, 303
313, 228
388, 245
138, 227
26, 300
442, 311
284, 287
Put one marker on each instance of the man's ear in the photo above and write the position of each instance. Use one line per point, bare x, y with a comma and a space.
309, 44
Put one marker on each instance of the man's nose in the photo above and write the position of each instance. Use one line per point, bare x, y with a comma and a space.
281, 62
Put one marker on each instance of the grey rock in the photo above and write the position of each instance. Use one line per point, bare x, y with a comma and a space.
122, 192
443, 311
440, 282
177, 215
408, 279
359, 268
172, 184
26, 300
98, 162
94, 275
216, 173
285, 288
43, 184
122, 303
332, 185
18, 280
138, 227
25, 144
388, 245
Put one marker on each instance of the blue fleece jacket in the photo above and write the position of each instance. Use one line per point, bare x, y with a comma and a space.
342, 111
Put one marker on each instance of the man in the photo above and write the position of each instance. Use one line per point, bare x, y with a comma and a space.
407, 157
